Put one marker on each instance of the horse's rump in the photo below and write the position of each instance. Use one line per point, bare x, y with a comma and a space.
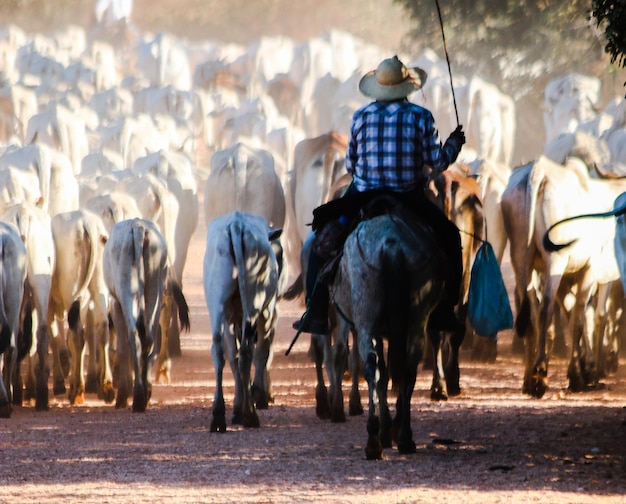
391, 278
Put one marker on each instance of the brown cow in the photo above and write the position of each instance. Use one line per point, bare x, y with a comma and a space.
458, 194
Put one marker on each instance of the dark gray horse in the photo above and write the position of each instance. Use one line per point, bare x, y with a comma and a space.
390, 278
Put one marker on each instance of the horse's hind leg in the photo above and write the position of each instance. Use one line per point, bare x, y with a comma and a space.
438, 388
374, 448
356, 369
455, 339
316, 351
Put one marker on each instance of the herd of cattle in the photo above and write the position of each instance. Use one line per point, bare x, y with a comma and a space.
107, 134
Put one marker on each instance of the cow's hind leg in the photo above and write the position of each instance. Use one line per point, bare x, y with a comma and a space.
9, 356
91, 382
263, 355
246, 354
124, 381
41, 368
218, 420
60, 358
77, 352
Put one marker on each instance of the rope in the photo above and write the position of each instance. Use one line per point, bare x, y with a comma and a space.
303, 319
445, 49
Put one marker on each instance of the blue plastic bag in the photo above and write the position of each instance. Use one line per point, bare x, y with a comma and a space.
489, 310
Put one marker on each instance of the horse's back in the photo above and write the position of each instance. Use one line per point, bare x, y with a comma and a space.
389, 256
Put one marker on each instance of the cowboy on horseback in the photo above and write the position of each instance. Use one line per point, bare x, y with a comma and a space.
393, 144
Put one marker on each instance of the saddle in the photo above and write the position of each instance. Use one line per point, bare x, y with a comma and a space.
329, 239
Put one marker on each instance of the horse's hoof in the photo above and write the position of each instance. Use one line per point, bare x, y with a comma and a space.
374, 449
355, 409
407, 448
454, 391
322, 410
337, 415
218, 424
259, 398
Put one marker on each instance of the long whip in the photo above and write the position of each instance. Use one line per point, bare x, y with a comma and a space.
445, 49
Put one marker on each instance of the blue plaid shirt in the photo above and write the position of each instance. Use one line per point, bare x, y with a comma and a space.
391, 143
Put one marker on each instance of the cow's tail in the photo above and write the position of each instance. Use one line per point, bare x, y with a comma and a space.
295, 289
236, 232
535, 181
91, 241
73, 315
5, 331
141, 246
533, 186
25, 334
396, 309
181, 302
522, 321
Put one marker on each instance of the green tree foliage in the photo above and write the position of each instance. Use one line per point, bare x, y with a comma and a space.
516, 44
611, 15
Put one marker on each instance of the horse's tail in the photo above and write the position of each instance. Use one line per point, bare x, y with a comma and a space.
396, 295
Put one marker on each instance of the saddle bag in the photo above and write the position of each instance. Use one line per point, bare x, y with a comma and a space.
489, 310
329, 239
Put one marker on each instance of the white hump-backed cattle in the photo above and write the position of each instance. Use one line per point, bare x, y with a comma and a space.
242, 281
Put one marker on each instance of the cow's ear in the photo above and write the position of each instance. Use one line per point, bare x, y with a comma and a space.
274, 234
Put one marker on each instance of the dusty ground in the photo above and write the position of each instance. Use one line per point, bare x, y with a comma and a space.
492, 444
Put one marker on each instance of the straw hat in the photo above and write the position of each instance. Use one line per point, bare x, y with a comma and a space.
392, 80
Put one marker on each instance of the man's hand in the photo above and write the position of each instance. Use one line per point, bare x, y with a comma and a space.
454, 143
458, 136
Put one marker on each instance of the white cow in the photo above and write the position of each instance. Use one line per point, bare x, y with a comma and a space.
318, 164
112, 104
243, 178
132, 137
62, 129
569, 101
35, 229
157, 203
113, 208
242, 277
34, 160
19, 104
184, 107
135, 266
558, 192
163, 61
78, 291
111, 12
489, 117
13, 273
176, 170
492, 178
